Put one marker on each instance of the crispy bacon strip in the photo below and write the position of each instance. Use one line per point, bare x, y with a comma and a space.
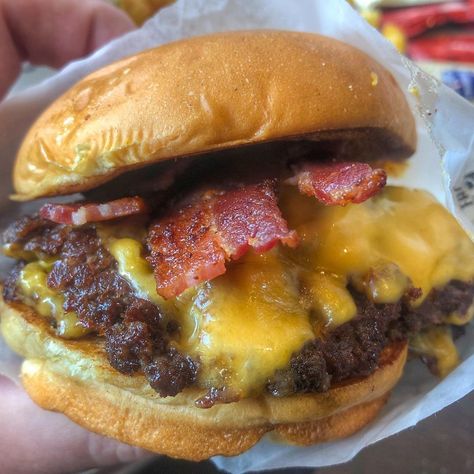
338, 184
249, 217
79, 214
192, 244
183, 251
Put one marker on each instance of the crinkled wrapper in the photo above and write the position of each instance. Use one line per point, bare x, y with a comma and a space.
443, 164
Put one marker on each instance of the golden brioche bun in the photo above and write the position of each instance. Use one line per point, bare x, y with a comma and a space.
211, 93
75, 378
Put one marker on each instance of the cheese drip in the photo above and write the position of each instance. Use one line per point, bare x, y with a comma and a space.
247, 323
47, 302
436, 344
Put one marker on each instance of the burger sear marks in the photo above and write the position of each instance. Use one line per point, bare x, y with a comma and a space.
139, 342
85, 275
10, 283
35, 235
339, 184
128, 344
83, 213
171, 372
192, 244
351, 350
25, 227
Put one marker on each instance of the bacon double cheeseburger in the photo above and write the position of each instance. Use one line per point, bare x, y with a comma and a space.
237, 265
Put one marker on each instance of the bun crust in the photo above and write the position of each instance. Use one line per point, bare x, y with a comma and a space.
210, 93
75, 378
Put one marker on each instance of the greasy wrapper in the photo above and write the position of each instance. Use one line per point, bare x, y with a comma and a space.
443, 164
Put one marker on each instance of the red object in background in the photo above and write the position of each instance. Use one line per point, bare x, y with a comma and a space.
443, 46
459, 48
416, 20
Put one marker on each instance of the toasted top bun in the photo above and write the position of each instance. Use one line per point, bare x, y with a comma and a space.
210, 93
74, 377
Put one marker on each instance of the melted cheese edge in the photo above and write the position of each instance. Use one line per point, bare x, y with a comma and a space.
47, 302
247, 323
437, 345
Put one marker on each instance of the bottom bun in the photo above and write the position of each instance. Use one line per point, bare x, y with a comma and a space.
75, 378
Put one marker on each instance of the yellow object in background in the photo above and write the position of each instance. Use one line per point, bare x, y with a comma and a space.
392, 32
372, 16
396, 36
141, 10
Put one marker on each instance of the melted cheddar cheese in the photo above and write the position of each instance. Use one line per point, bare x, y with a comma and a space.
436, 344
134, 268
397, 237
47, 302
247, 323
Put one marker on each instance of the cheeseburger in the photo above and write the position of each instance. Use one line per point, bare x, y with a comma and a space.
236, 264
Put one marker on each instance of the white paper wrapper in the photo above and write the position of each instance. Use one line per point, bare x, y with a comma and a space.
444, 161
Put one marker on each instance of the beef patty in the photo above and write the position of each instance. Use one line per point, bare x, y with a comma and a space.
136, 339
85, 273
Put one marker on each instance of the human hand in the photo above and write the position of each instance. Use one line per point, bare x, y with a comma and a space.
34, 441
51, 32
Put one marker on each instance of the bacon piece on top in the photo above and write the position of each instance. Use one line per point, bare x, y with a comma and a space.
338, 184
193, 243
183, 249
249, 217
82, 213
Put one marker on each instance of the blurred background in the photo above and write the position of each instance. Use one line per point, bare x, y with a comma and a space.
437, 35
